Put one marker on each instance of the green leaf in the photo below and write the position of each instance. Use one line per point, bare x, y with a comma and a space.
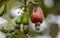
30, 8
2, 8
1, 3
18, 20
25, 18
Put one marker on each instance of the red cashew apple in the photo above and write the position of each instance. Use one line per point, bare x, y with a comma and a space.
37, 17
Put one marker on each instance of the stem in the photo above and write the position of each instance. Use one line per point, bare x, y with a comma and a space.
34, 3
25, 29
25, 2
37, 26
